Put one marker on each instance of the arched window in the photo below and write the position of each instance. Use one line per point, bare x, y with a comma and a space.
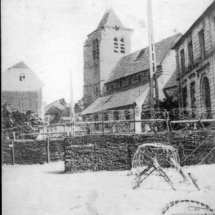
206, 97
96, 118
116, 45
105, 115
127, 115
116, 115
95, 49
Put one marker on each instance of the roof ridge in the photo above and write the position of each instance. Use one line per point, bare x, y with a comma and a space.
20, 65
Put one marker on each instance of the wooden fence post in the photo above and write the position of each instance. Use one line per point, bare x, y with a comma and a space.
12, 148
134, 120
47, 149
103, 126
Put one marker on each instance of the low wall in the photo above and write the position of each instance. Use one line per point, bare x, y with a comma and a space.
115, 152
32, 152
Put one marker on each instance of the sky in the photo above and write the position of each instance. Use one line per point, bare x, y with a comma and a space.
48, 35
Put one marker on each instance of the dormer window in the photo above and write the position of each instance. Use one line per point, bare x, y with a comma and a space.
22, 77
95, 49
122, 46
116, 45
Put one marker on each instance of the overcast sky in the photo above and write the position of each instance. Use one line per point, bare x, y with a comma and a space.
48, 35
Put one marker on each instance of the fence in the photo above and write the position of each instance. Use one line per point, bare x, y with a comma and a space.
18, 151
122, 121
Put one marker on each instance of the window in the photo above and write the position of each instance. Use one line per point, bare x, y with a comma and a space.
192, 94
116, 115
96, 118
190, 52
22, 77
97, 90
202, 44
182, 60
116, 45
214, 22
122, 45
206, 97
105, 119
140, 54
95, 49
184, 97
127, 115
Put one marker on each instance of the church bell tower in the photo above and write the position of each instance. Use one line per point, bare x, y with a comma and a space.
103, 48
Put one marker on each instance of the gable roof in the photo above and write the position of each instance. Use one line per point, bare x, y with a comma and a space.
11, 79
54, 110
139, 60
20, 65
172, 82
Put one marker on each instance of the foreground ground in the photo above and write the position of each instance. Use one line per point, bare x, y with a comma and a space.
44, 190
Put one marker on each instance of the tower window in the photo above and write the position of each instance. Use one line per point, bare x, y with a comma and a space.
22, 77
116, 45
122, 45
95, 49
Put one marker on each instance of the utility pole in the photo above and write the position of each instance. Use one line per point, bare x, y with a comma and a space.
72, 112
152, 61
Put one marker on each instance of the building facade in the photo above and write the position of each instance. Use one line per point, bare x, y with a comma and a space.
22, 89
195, 55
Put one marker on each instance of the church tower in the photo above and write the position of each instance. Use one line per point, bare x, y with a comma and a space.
103, 48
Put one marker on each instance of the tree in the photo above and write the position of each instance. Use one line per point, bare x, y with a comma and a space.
20, 122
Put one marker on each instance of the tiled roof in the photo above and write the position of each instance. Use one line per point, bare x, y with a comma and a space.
172, 82
139, 60
20, 65
116, 100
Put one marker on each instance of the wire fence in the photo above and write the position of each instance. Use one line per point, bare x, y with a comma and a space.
121, 121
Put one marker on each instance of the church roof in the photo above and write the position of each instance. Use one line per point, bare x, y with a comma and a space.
110, 19
139, 61
116, 100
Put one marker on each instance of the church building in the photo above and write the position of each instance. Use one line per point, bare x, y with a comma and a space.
116, 81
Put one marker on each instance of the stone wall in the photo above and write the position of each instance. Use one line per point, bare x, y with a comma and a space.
115, 152
32, 152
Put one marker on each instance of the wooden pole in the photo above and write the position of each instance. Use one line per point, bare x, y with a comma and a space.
152, 60
12, 148
103, 125
72, 111
134, 120
47, 149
